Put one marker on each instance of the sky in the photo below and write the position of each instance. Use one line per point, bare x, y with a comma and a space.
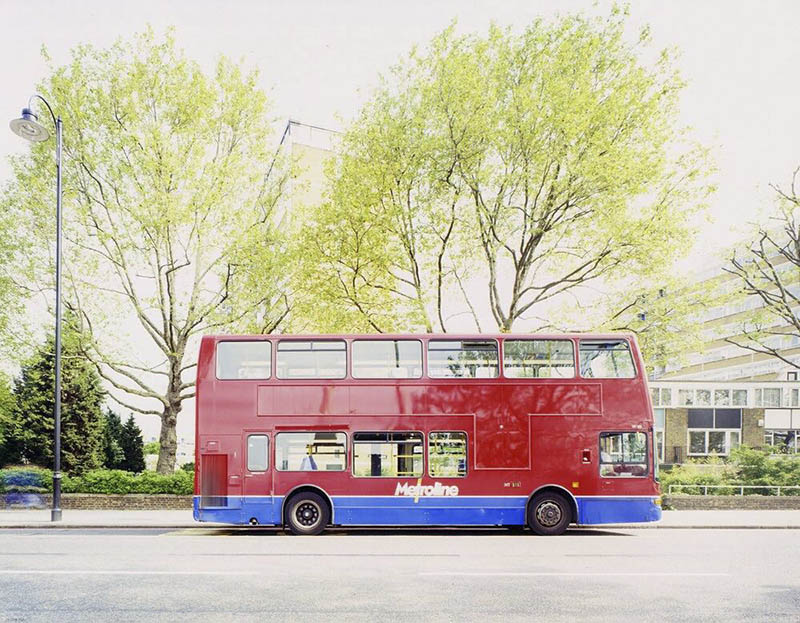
319, 60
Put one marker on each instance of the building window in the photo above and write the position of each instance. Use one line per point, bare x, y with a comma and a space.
387, 359
704, 442
722, 397
387, 455
739, 397
768, 397
463, 359
244, 360
662, 397
685, 397
783, 441
623, 455
713, 431
447, 455
605, 360
703, 398
311, 360
309, 452
791, 376
532, 359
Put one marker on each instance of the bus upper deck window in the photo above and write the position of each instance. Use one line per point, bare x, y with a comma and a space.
607, 359
472, 359
387, 359
318, 359
537, 359
244, 360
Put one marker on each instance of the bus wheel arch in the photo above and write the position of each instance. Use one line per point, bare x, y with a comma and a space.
550, 510
307, 510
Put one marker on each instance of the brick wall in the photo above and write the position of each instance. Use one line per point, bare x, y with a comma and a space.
89, 501
675, 426
731, 502
752, 433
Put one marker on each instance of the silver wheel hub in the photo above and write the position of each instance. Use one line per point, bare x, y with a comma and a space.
548, 514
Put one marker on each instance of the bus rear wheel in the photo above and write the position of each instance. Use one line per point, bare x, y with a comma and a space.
307, 513
549, 514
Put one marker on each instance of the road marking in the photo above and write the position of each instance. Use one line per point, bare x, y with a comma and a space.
116, 572
599, 574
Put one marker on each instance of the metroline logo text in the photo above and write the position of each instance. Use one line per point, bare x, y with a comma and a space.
435, 490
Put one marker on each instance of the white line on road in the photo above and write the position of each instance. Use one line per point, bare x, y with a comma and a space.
116, 572
600, 574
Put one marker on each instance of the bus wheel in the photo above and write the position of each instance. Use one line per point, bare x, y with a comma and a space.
307, 513
549, 514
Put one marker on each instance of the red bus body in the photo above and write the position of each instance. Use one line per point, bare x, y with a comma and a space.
524, 436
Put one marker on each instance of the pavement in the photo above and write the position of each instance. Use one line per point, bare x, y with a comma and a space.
710, 519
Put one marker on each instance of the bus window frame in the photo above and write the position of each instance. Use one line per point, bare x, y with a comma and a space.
308, 471
648, 440
466, 451
426, 371
305, 379
522, 338
272, 349
249, 434
607, 378
353, 462
423, 359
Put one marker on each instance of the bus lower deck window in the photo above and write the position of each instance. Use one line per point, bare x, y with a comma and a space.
447, 455
623, 455
387, 455
310, 451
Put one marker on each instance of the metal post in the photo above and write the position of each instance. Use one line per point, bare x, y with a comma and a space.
55, 513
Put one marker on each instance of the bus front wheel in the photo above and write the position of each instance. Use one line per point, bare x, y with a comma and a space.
307, 513
549, 514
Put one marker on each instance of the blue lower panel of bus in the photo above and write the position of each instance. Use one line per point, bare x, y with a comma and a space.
429, 511
601, 510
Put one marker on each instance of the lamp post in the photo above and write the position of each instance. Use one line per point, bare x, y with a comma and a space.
28, 127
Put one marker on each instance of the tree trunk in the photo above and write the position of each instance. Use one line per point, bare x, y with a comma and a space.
168, 440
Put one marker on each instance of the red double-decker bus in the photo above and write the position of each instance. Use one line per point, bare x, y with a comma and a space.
423, 430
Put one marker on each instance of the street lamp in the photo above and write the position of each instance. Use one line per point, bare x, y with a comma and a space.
29, 128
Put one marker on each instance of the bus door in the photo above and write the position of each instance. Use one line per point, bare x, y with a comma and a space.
258, 501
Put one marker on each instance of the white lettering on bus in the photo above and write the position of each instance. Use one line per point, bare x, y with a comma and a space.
437, 489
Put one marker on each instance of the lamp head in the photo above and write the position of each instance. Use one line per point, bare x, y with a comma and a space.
28, 127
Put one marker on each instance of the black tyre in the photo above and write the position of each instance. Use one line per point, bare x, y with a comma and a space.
549, 514
307, 513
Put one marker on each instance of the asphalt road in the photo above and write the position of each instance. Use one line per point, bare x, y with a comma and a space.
230, 575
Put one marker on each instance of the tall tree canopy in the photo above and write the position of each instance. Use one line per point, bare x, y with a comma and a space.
531, 167
171, 218
132, 446
769, 272
82, 397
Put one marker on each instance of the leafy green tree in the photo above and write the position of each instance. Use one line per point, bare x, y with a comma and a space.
113, 455
543, 165
81, 407
132, 447
171, 215
7, 452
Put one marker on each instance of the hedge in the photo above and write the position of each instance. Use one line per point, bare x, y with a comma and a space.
108, 481
744, 466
